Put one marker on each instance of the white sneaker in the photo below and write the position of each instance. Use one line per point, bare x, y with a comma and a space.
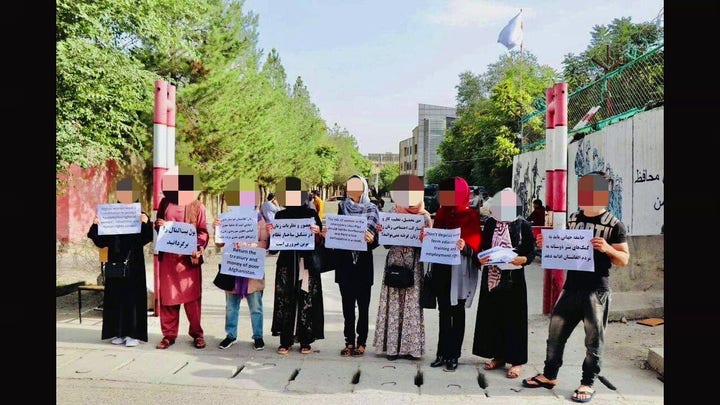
118, 340
130, 342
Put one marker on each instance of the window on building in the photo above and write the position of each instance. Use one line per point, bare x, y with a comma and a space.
415, 165
416, 149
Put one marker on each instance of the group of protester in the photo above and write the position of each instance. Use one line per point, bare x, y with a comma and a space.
501, 327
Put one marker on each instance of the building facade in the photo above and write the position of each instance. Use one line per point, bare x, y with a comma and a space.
419, 152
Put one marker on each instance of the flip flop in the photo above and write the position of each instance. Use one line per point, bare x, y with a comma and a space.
543, 384
493, 364
588, 399
514, 371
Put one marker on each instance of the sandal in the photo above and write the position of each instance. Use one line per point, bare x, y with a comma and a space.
305, 349
514, 371
348, 350
537, 383
283, 350
493, 364
578, 392
359, 351
165, 343
199, 343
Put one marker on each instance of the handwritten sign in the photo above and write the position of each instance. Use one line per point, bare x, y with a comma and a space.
176, 237
346, 232
401, 229
292, 234
238, 226
245, 262
118, 219
439, 246
568, 249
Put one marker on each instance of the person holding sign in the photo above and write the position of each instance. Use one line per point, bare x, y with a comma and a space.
243, 287
586, 295
180, 274
454, 285
501, 324
125, 299
354, 268
298, 306
399, 326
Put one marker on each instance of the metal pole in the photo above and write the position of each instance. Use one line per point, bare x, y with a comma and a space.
555, 181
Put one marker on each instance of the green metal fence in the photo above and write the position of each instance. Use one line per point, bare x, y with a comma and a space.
637, 86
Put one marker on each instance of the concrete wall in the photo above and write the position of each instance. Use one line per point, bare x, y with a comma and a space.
632, 153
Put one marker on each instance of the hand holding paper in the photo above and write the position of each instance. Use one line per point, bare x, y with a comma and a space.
497, 255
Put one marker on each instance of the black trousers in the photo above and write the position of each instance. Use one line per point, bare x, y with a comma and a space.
452, 318
352, 294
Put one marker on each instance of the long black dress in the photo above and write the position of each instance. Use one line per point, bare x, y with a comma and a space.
501, 325
290, 299
125, 299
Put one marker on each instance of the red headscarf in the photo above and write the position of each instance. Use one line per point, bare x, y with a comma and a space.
460, 216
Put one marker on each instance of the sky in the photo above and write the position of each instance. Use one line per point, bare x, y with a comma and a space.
367, 64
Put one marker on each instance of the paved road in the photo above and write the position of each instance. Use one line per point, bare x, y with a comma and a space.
88, 369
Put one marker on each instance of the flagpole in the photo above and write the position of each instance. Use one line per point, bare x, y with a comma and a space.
521, 83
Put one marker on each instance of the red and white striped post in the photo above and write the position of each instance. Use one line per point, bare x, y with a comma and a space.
163, 158
555, 181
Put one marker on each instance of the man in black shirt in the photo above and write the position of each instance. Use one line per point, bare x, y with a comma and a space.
586, 295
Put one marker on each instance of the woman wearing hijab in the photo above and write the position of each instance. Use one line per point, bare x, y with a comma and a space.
454, 285
298, 306
400, 327
354, 269
501, 325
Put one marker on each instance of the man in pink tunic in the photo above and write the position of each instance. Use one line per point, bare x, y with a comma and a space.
181, 275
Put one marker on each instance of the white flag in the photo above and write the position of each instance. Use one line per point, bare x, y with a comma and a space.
512, 35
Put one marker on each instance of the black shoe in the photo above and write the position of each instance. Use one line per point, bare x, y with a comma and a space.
227, 342
451, 364
439, 361
258, 344
392, 357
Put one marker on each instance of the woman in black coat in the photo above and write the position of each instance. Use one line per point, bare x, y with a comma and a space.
501, 325
125, 299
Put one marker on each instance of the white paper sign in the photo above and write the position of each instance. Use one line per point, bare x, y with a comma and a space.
238, 226
346, 232
440, 246
176, 237
499, 255
292, 234
245, 262
118, 219
401, 229
567, 249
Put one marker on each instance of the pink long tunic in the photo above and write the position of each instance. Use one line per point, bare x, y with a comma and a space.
180, 281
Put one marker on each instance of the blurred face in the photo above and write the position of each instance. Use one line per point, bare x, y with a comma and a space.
593, 192
355, 188
242, 192
180, 186
407, 190
504, 206
127, 191
290, 192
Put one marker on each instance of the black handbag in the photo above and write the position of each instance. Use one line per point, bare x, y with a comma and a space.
117, 269
427, 295
399, 275
323, 258
224, 281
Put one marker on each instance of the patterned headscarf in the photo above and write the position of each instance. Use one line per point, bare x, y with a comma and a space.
362, 208
501, 238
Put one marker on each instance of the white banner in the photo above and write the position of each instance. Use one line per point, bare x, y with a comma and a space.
345, 232
176, 237
401, 229
439, 246
292, 234
567, 249
238, 226
245, 262
118, 219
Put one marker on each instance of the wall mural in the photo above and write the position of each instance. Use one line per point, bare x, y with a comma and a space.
527, 185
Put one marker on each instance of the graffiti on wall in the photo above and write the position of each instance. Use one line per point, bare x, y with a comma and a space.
527, 184
588, 159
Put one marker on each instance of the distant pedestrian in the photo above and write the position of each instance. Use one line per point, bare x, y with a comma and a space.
269, 208
537, 216
586, 294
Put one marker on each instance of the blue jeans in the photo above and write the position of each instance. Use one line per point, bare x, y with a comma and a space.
232, 312
590, 307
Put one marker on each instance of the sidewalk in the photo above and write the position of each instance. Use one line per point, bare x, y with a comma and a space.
87, 367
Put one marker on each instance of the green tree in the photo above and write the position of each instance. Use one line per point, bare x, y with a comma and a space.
387, 176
